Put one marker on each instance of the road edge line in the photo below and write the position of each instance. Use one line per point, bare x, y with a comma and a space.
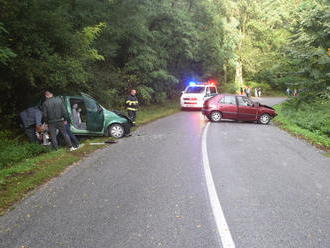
222, 226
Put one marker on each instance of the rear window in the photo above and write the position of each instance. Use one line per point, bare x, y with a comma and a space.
195, 89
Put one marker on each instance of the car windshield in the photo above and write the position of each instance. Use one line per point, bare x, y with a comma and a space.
195, 89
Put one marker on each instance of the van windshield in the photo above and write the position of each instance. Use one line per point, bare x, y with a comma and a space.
195, 89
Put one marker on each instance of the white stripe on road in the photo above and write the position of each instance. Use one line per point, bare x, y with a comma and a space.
223, 230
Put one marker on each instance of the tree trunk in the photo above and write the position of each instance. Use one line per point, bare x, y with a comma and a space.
225, 77
239, 75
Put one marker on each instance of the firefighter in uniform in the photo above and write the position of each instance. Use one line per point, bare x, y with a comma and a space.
132, 105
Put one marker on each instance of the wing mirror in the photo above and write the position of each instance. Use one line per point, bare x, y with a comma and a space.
256, 104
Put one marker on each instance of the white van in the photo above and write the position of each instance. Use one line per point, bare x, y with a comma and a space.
195, 95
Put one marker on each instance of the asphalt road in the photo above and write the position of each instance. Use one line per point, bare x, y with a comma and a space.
151, 190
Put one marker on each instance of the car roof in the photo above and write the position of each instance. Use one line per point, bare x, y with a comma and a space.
201, 85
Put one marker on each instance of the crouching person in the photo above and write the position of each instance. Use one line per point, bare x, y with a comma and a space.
55, 116
31, 119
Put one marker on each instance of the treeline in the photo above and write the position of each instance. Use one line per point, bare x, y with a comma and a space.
105, 47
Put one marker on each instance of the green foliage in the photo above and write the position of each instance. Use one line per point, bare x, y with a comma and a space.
106, 48
228, 88
5, 53
145, 94
13, 151
309, 45
311, 113
307, 119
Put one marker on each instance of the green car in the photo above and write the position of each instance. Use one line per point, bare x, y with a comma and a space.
95, 120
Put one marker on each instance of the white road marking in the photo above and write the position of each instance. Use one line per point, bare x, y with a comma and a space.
223, 229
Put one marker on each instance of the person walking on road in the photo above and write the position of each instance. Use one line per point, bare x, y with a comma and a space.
55, 116
132, 105
259, 92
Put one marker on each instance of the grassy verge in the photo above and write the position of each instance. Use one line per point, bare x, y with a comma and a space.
17, 179
155, 112
310, 122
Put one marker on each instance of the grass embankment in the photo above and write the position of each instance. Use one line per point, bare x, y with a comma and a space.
309, 120
24, 166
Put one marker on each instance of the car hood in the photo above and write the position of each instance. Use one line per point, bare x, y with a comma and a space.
122, 115
265, 106
187, 95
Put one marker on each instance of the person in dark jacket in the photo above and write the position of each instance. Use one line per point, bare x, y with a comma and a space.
55, 116
132, 105
31, 119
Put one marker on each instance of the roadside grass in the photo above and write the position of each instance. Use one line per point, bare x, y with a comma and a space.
19, 176
154, 112
310, 122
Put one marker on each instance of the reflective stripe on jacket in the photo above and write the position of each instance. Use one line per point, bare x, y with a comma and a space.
132, 103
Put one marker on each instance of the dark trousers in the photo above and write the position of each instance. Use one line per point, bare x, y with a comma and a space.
73, 138
52, 127
31, 133
132, 115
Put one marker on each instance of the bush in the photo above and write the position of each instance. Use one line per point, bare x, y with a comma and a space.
309, 113
228, 88
12, 151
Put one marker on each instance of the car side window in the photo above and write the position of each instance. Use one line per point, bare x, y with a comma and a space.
230, 100
222, 100
243, 101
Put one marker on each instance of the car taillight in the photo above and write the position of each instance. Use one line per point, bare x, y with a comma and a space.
190, 99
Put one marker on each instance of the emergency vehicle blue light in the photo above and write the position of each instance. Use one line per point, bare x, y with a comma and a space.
192, 83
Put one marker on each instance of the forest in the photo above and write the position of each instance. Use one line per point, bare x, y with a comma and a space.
106, 47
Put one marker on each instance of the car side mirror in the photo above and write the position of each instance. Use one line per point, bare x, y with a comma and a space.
100, 109
256, 104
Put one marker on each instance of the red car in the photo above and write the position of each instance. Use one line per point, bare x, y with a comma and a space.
237, 107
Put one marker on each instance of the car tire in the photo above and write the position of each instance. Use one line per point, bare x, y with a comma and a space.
116, 131
215, 116
264, 119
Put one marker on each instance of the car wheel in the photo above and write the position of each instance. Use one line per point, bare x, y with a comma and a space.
116, 131
216, 116
264, 119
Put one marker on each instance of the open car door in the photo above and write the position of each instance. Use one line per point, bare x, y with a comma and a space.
95, 115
